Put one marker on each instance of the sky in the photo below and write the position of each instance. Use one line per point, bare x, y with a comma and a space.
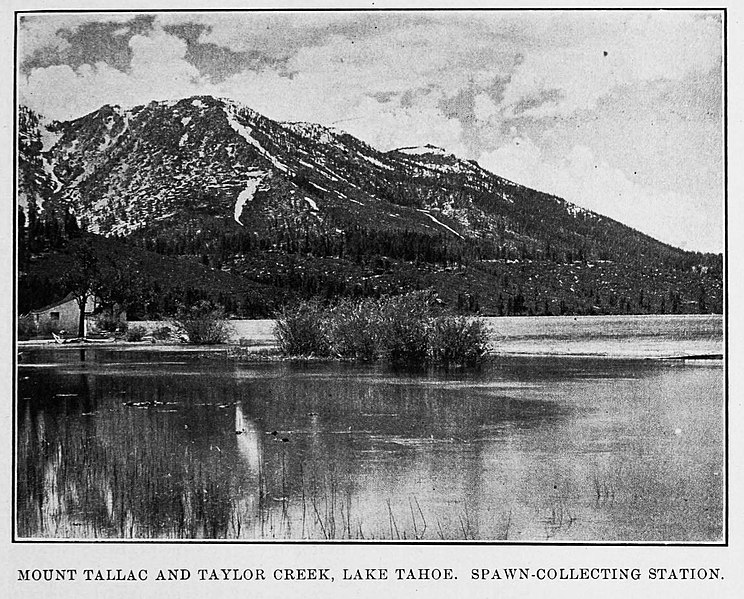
619, 112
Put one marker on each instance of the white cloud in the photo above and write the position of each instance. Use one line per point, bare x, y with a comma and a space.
330, 101
158, 71
335, 68
330, 86
484, 107
630, 49
584, 179
388, 126
158, 63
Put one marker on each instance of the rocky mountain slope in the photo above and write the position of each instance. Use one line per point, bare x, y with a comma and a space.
306, 210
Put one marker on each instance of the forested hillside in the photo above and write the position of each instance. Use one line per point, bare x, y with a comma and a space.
203, 198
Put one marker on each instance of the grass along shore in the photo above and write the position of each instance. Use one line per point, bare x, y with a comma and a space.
628, 337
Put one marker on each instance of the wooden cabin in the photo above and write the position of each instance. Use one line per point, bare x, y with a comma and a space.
64, 315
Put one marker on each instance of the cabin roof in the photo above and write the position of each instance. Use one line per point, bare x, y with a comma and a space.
69, 297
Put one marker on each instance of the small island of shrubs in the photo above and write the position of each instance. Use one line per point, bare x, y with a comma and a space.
412, 329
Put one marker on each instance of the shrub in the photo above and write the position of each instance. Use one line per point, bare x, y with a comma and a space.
135, 333
26, 328
46, 328
301, 330
354, 329
410, 329
405, 321
162, 333
457, 341
204, 323
110, 324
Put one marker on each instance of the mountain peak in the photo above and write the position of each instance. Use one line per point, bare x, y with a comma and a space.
123, 170
425, 149
314, 131
300, 206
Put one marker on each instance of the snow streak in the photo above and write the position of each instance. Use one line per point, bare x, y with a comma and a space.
441, 224
245, 133
245, 196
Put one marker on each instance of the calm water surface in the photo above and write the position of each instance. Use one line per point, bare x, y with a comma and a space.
131, 444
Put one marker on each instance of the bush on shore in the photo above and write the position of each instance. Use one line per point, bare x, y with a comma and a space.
457, 340
353, 329
405, 327
26, 328
110, 324
162, 333
135, 333
204, 323
301, 330
411, 329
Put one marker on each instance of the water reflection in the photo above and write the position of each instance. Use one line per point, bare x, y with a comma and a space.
530, 448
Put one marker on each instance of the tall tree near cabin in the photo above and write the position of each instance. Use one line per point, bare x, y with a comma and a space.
82, 277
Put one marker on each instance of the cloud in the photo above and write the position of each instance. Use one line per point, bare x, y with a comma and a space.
42, 32
329, 84
584, 179
383, 123
625, 84
390, 126
484, 107
158, 70
388, 91
158, 63
627, 50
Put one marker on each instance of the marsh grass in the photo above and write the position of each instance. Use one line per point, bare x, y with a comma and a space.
204, 323
407, 330
96, 480
301, 331
458, 341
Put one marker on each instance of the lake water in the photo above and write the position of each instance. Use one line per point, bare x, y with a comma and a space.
170, 444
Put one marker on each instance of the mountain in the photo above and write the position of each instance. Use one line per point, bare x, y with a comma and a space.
298, 209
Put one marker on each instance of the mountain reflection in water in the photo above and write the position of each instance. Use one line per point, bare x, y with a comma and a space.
528, 448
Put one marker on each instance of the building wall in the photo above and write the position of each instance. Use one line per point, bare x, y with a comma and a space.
65, 317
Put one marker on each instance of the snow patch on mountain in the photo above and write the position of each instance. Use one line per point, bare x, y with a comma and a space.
441, 224
108, 139
575, 210
48, 138
245, 133
246, 196
376, 162
49, 170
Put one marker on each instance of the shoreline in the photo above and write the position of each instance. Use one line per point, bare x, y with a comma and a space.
270, 352
637, 337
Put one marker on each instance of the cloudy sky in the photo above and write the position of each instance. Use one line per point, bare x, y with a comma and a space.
619, 112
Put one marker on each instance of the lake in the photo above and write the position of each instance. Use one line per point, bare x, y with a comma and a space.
543, 447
